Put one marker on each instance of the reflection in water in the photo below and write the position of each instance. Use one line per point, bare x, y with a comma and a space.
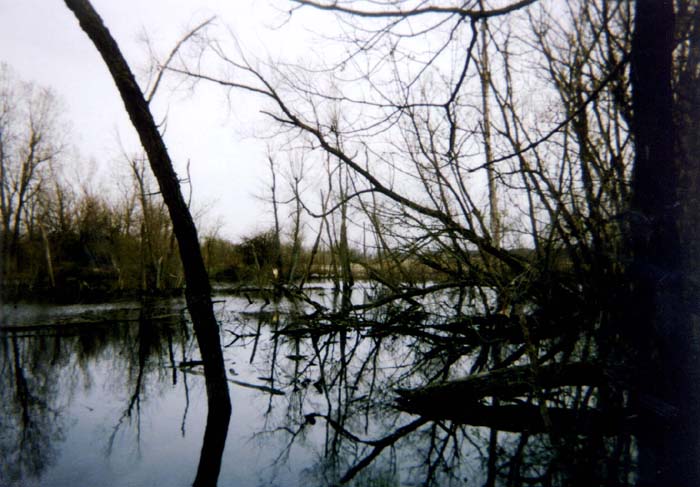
57, 377
316, 401
215, 434
30, 420
406, 397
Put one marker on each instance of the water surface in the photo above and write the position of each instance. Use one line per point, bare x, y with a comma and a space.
113, 395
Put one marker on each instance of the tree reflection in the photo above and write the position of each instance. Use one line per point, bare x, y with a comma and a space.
443, 396
30, 417
144, 352
42, 367
215, 433
423, 388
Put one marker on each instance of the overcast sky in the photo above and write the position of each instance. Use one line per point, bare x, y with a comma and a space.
42, 42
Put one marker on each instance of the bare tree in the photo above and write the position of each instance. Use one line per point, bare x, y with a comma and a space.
29, 142
198, 290
431, 114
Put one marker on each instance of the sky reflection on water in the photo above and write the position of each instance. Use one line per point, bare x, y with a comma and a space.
112, 395
78, 419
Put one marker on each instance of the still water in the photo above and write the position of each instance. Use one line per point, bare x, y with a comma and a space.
113, 395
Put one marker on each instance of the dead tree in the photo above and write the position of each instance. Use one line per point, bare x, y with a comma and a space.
198, 290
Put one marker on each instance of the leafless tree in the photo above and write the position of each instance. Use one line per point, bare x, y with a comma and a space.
29, 142
425, 106
198, 290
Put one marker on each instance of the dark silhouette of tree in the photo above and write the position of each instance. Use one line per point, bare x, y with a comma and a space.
661, 318
608, 224
198, 290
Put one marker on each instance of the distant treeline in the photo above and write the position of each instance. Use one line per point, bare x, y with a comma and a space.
83, 246
97, 250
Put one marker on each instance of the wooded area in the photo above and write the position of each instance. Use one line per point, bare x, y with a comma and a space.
516, 181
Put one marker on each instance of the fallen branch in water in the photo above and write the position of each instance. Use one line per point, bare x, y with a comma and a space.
267, 389
502, 383
459, 400
528, 418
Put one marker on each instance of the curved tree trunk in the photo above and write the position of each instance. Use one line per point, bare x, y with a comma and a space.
198, 291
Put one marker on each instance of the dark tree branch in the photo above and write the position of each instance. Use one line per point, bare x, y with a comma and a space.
528, 418
198, 290
164, 67
433, 9
504, 383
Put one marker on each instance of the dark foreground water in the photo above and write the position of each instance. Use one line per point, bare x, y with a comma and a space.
86, 402
112, 395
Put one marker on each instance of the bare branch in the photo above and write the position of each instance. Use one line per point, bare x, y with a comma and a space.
163, 67
432, 9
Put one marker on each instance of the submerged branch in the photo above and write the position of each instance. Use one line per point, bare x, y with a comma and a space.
379, 445
528, 418
502, 383
459, 401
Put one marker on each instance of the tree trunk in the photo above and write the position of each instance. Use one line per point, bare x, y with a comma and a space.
198, 291
47, 253
485, 78
660, 325
280, 274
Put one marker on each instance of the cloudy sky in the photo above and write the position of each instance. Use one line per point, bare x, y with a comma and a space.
41, 41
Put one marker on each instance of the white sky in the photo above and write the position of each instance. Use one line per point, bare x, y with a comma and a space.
42, 42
